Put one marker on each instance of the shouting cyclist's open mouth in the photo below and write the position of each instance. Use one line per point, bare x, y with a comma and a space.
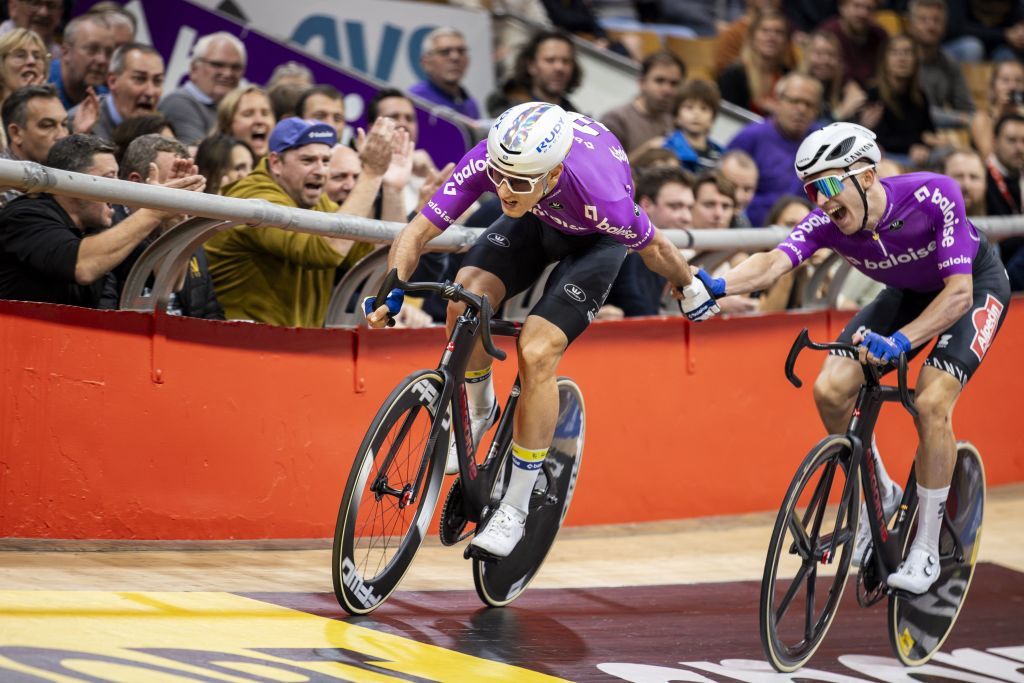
837, 212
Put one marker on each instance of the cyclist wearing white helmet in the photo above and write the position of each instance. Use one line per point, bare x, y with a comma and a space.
942, 279
566, 194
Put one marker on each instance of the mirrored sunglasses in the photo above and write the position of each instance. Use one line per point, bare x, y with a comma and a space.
830, 185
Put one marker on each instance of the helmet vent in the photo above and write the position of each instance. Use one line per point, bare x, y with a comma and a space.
841, 150
519, 129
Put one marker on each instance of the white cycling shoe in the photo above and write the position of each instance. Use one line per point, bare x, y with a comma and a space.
479, 427
917, 573
504, 530
862, 543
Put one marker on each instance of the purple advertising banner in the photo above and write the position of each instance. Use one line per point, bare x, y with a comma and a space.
174, 25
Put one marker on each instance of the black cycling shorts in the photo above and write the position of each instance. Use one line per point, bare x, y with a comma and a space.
960, 349
517, 250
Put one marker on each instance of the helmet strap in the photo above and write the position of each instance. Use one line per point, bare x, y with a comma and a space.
863, 198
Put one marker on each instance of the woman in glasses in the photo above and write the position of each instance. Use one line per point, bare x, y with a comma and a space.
24, 60
942, 280
566, 195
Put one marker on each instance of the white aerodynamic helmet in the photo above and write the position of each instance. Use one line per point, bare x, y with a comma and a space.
837, 145
530, 139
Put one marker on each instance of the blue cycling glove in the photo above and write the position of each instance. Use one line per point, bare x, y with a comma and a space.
714, 285
393, 301
886, 349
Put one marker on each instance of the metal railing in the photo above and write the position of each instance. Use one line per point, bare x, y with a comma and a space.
166, 258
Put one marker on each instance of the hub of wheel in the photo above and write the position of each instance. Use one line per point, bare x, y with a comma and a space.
406, 497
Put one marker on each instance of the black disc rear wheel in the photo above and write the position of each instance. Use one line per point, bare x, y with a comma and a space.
500, 582
918, 626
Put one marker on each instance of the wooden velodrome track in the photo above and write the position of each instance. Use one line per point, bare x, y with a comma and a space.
659, 602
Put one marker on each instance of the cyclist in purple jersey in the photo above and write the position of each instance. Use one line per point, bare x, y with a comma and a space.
566, 195
943, 280
594, 193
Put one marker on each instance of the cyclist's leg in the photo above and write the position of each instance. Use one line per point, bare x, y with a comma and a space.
950, 365
841, 376
935, 395
506, 259
541, 346
836, 390
575, 292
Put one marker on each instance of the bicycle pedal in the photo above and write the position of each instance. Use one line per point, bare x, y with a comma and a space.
472, 552
905, 595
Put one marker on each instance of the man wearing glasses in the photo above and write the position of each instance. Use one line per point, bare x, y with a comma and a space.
567, 196
217, 66
943, 280
445, 61
41, 16
772, 143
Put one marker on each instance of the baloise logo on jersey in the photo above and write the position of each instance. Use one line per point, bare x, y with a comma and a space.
894, 259
590, 211
812, 221
461, 175
946, 206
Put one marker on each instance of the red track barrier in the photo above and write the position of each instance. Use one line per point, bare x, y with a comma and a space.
119, 425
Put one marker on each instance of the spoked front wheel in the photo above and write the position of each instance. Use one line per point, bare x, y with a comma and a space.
500, 582
919, 625
809, 555
390, 496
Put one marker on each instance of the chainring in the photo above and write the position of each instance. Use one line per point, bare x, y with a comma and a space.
453, 520
870, 587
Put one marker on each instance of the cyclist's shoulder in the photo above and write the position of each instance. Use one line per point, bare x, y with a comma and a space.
469, 170
599, 170
477, 151
921, 187
815, 225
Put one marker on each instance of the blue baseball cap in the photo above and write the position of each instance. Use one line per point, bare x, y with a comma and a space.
295, 132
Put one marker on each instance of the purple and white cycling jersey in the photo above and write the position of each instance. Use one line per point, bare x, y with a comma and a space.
923, 237
594, 193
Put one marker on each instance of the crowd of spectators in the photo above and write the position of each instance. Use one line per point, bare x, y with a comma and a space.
91, 99
894, 67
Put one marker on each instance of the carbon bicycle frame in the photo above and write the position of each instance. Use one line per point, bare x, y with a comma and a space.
870, 399
452, 367
889, 543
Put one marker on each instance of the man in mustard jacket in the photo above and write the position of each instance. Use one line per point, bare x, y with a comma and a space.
282, 277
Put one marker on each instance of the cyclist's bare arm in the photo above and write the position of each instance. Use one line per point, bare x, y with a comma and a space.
404, 255
662, 257
759, 271
945, 309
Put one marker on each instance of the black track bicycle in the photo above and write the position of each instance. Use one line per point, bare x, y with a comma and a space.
396, 478
811, 548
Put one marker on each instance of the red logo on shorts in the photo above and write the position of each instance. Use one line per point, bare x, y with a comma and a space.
985, 320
